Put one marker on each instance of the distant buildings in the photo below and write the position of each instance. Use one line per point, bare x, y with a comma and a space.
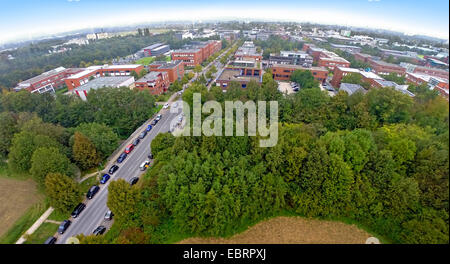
154, 82
411, 68
325, 58
96, 36
346, 48
48, 81
341, 72
184, 35
248, 50
384, 68
93, 72
156, 50
101, 82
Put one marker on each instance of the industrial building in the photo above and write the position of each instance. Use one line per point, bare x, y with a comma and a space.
156, 50
175, 69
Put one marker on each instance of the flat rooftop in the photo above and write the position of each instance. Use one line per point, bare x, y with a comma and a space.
103, 82
301, 67
44, 75
149, 77
166, 64
234, 75
91, 69
383, 63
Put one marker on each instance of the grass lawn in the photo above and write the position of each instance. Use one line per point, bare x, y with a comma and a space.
145, 60
42, 233
86, 184
21, 204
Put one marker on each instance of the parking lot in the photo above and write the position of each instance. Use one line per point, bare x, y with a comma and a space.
285, 87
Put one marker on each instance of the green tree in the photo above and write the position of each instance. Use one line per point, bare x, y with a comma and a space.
102, 136
7, 130
122, 200
84, 152
63, 192
47, 160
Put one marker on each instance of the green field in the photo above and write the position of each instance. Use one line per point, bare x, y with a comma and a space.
42, 233
145, 61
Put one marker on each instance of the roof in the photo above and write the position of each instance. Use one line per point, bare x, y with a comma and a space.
383, 63
44, 75
299, 67
166, 65
91, 69
334, 59
369, 75
186, 50
352, 88
234, 75
345, 69
153, 46
103, 82
149, 77
385, 83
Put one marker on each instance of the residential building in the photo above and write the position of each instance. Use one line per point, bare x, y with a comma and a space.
154, 82
101, 82
411, 68
384, 68
332, 62
197, 52
283, 72
347, 48
93, 72
48, 81
175, 69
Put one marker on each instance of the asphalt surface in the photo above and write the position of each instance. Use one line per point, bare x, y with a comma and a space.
93, 215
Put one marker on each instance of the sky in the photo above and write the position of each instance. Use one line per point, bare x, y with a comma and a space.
26, 19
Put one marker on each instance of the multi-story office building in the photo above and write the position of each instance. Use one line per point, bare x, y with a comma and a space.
291, 57
283, 72
154, 82
156, 49
175, 69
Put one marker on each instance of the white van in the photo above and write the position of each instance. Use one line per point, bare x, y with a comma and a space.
144, 165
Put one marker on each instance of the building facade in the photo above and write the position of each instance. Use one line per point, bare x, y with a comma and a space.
154, 82
284, 72
175, 69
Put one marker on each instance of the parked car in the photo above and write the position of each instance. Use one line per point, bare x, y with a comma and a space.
149, 127
63, 226
92, 192
166, 105
134, 180
50, 240
143, 134
113, 169
109, 215
129, 148
144, 165
99, 230
77, 211
150, 156
121, 157
153, 122
158, 117
105, 178
136, 142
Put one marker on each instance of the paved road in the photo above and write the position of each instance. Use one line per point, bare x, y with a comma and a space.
92, 216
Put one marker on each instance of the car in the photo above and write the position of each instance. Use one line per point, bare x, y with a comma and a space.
113, 169
144, 165
143, 134
153, 122
149, 127
136, 142
129, 148
105, 178
50, 240
99, 230
121, 157
150, 156
77, 211
92, 192
63, 226
109, 215
180, 118
166, 105
134, 180
158, 117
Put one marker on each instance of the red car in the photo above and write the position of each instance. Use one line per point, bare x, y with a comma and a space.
129, 148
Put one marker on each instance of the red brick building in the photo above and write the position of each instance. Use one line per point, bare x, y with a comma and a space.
47, 81
283, 72
340, 72
174, 69
197, 53
432, 71
381, 67
362, 57
332, 62
154, 82
83, 77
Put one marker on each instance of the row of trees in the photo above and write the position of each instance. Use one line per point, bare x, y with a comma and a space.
380, 159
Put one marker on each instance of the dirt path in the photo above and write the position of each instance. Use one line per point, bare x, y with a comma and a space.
292, 230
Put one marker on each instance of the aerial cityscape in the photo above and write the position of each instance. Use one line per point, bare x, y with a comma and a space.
191, 122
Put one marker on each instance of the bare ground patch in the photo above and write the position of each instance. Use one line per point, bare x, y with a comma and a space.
292, 230
16, 197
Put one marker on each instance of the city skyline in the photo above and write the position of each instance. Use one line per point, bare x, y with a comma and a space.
407, 17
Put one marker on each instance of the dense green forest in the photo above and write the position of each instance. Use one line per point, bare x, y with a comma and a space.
380, 159
52, 138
